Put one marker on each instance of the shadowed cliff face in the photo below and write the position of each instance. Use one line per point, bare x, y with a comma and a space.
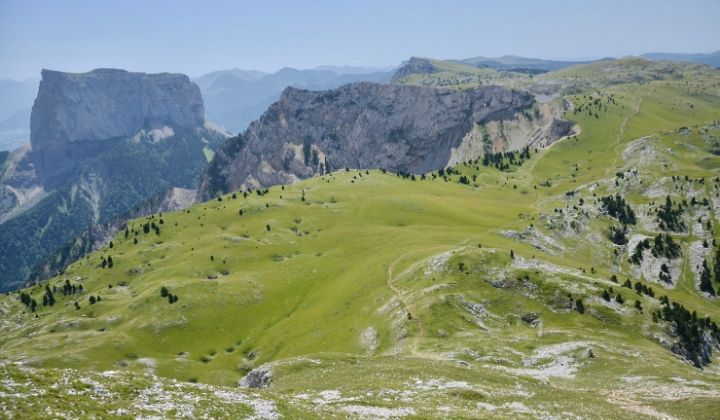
79, 116
362, 125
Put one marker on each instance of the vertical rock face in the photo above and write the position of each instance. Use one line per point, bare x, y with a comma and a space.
361, 125
77, 116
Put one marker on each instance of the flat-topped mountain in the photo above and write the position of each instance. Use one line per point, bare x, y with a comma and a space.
75, 115
363, 125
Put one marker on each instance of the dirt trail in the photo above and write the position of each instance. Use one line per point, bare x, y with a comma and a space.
409, 308
618, 139
402, 293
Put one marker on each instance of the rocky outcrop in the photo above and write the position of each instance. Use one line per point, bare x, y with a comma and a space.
78, 116
260, 377
363, 125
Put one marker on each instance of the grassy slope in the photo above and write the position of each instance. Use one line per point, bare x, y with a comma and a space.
318, 279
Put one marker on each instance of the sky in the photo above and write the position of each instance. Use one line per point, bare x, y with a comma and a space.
197, 37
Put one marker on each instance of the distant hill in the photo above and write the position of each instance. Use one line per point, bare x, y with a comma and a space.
711, 59
207, 80
354, 69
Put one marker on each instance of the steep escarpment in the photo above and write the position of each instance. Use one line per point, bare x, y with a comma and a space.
103, 144
78, 116
363, 125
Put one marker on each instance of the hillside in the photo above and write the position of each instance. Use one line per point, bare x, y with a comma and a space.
507, 286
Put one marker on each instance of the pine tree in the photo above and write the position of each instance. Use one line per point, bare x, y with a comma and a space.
705, 280
669, 216
618, 235
579, 306
638, 305
25, 298
49, 296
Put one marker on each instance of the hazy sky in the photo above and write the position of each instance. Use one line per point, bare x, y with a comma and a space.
195, 37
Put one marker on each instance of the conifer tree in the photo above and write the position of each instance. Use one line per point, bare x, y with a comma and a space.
705, 280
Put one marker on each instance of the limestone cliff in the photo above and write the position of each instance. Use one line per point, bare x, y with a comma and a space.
78, 116
362, 125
